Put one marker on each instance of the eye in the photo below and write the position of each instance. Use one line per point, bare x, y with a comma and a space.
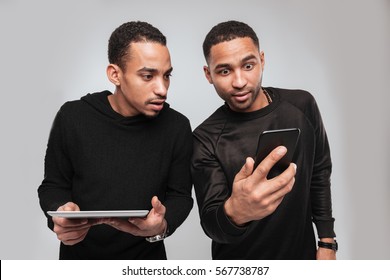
224, 72
168, 76
248, 66
147, 77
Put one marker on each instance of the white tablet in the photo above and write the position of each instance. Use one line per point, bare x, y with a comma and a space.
99, 214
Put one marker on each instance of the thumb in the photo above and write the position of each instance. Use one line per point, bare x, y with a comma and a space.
246, 169
69, 206
158, 207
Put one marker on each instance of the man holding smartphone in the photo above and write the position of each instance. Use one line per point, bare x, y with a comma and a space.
245, 214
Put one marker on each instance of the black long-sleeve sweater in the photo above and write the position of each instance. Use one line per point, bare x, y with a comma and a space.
221, 145
101, 160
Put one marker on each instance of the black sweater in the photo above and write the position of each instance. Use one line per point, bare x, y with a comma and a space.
101, 160
221, 145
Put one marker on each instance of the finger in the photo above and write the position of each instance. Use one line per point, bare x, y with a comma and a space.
287, 175
69, 206
64, 222
246, 170
73, 241
70, 223
265, 166
158, 207
59, 229
123, 225
282, 185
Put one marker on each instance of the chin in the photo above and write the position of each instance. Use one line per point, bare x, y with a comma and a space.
239, 107
152, 115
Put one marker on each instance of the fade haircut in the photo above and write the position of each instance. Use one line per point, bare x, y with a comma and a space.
131, 32
227, 31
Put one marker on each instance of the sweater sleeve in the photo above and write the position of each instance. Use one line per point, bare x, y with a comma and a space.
320, 190
56, 186
212, 190
178, 199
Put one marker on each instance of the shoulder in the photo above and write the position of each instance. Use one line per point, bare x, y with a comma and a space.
302, 100
173, 121
298, 97
69, 106
211, 128
172, 115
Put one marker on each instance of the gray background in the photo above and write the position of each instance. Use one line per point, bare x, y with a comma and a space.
54, 51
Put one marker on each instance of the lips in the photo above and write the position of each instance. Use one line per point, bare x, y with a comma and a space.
157, 105
241, 96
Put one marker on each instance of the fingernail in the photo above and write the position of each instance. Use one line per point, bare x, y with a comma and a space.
281, 151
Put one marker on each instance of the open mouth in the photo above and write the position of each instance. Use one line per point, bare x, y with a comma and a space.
157, 105
241, 96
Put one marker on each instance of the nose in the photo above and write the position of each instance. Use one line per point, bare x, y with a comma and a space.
161, 88
239, 80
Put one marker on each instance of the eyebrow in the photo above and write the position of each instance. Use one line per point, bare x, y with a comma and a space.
227, 65
153, 70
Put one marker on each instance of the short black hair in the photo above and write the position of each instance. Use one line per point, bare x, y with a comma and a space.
226, 31
131, 32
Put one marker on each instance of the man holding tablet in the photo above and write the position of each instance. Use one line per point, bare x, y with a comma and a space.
248, 214
122, 151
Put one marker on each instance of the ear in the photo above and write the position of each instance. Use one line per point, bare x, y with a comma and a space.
262, 60
113, 72
206, 70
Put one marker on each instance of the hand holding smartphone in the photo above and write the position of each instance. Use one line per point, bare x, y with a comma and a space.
269, 140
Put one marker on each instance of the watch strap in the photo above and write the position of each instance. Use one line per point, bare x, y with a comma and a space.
332, 246
158, 237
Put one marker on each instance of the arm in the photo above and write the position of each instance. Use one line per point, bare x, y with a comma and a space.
56, 187
178, 197
320, 191
55, 192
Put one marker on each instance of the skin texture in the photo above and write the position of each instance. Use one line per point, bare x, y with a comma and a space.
141, 89
235, 68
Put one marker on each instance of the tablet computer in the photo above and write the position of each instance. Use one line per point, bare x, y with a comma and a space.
99, 214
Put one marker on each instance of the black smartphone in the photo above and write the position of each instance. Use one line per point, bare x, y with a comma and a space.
269, 140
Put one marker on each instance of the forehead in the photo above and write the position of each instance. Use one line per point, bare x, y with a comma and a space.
231, 51
150, 55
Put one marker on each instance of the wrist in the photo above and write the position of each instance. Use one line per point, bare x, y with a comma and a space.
328, 243
230, 212
161, 235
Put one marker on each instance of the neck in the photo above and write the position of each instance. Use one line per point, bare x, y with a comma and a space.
118, 104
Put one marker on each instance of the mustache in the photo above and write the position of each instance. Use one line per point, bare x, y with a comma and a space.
156, 100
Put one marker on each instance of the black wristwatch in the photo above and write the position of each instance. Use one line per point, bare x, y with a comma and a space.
333, 246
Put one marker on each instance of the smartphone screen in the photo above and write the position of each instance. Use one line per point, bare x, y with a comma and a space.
269, 140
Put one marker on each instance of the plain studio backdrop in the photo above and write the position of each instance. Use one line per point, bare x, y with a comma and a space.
55, 51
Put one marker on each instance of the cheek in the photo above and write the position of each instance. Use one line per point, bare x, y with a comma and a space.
167, 83
221, 83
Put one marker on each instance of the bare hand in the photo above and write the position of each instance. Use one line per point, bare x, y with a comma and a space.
72, 231
253, 195
153, 224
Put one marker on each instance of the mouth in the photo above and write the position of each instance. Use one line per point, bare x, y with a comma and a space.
157, 104
241, 96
